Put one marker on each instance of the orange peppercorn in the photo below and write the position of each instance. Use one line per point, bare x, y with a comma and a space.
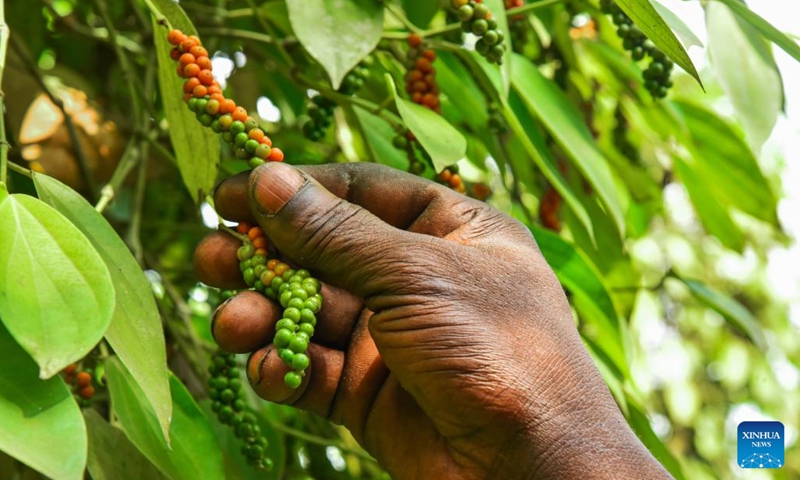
175, 54
414, 40
175, 37
227, 106
261, 251
70, 368
240, 114
243, 227
186, 59
83, 379
204, 62
200, 91
276, 155
188, 43
189, 85
191, 70
205, 76
260, 242
86, 392
199, 51
254, 233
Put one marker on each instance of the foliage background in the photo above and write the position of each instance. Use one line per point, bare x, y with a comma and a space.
693, 364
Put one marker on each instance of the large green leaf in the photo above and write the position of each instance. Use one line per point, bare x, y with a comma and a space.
743, 63
337, 34
112, 456
443, 142
40, 423
193, 451
421, 12
559, 116
720, 153
677, 25
714, 216
589, 293
56, 297
196, 148
378, 138
135, 332
734, 312
779, 38
645, 16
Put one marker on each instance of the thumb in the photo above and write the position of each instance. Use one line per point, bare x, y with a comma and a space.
342, 243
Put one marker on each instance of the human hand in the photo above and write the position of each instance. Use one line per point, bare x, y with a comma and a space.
445, 343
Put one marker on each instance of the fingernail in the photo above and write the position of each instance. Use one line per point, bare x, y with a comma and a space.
274, 185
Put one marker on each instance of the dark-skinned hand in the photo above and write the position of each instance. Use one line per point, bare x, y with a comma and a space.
445, 343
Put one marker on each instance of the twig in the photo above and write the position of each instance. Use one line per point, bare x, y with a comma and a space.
129, 158
327, 442
83, 164
400, 16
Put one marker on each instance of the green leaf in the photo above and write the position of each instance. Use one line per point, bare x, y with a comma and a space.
734, 312
3, 192
677, 25
779, 38
337, 34
743, 63
56, 297
457, 83
135, 332
194, 451
443, 142
589, 293
196, 148
378, 137
559, 116
522, 125
112, 456
641, 425
714, 216
421, 12
645, 16
40, 423
498, 9
719, 152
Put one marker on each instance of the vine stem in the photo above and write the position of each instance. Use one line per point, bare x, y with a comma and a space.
5, 32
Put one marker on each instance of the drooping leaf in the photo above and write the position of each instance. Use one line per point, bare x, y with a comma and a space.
645, 16
589, 293
734, 312
743, 63
135, 332
498, 9
714, 216
196, 148
421, 12
720, 154
443, 142
40, 423
677, 25
194, 451
112, 456
770, 32
455, 81
338, 34
558, 114
56, 297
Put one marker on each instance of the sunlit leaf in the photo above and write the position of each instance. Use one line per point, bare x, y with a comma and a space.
112, 456
196, 148
743, 63
56, 297
193, 451
721, 154
677, 25
779, 38
734, 312
40, 423
443, 142
337, 34
714, 216
645, 16
559, 116
135, 332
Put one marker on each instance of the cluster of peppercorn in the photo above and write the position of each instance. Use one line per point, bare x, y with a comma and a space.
450, 177
203, 95
421, 77
80, 381
476, 18
497, 124
296, 291
657, 79
227, 401
320, 109
620, 135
